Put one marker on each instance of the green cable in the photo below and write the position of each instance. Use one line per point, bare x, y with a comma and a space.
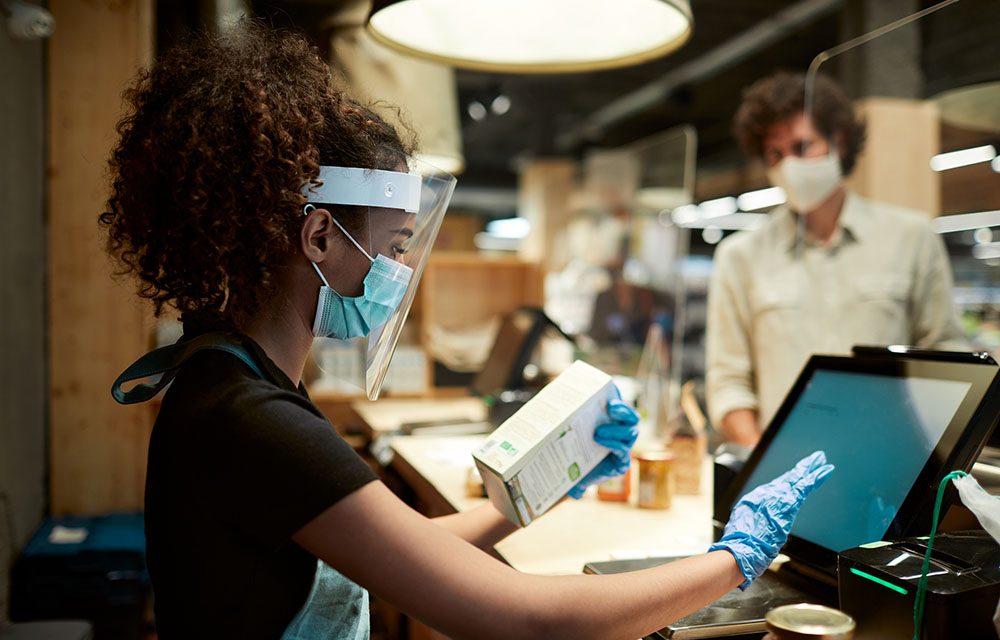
918, 603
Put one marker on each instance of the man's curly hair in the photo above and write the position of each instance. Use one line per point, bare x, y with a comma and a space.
220, 137
781, 96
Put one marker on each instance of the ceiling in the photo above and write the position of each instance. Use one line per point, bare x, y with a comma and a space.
560, 114
734, 42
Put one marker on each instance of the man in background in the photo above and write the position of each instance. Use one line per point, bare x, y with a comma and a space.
827, 270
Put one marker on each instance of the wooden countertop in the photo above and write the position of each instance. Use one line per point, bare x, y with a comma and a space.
571, 534
390, 414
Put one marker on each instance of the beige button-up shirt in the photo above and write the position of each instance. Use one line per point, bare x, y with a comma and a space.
776, 297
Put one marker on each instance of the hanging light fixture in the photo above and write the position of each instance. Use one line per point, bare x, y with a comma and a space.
531, 36
959, 63
425, 90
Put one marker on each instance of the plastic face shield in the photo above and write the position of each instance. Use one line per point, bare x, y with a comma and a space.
401, 213
896, 169
901, 165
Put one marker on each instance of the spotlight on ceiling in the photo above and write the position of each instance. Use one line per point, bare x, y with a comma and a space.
500, 105
477, 111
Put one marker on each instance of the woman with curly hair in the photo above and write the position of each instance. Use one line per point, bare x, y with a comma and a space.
238, 199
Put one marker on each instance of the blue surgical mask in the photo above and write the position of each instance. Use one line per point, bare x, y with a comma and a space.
343, 317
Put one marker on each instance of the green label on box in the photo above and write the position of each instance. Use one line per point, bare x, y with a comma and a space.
574, 471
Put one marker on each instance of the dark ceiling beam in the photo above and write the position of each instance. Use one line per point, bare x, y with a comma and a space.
730, 52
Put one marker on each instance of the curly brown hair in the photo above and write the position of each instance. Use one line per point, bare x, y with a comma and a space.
781, 96
219, 139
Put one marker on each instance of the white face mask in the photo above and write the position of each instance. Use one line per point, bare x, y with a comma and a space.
807, 182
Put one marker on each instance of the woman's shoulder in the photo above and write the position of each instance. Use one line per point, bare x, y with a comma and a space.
220, 392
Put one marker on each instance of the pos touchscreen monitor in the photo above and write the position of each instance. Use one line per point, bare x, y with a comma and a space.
892, 426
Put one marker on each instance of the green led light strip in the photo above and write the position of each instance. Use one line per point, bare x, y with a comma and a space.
879, 581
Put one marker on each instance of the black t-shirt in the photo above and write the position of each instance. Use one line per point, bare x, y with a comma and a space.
237, 464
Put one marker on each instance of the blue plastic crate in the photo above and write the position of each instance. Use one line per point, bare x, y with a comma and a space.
90, 568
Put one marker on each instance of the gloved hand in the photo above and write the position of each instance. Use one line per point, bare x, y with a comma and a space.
760, 521
618, 435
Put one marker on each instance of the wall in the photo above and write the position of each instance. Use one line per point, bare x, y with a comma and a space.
885, 79
900, 174
98, 449
22, 298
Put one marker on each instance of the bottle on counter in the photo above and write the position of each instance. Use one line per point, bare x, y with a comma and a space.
616, 489
689, 443
656, 478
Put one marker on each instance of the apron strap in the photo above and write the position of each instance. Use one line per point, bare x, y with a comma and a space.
168, 361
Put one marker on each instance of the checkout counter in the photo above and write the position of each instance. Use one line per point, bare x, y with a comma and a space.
436, 467
893, 426
573, 533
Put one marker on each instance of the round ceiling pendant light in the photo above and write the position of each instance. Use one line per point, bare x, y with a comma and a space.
533, 36
959, 52
975, 106
384, 77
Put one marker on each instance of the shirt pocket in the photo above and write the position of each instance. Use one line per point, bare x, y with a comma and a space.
775, 297
883, 287
883, 305
776, 307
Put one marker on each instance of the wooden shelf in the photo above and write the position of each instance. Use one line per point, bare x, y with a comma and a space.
457, 289
335, 396
461, 289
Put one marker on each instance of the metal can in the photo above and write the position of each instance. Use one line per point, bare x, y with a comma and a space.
808, 622
656, 478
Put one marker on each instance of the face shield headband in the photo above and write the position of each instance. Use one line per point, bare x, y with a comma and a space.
367, 188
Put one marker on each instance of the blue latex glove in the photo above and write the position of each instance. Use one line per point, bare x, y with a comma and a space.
760, 521
618, 435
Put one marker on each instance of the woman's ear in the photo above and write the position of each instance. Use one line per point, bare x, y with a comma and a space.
314, 237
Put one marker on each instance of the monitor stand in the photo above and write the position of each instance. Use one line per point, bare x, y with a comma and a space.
738, 613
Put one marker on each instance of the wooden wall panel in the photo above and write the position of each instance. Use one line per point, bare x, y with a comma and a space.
96, 326
894, 167
459, 290
544, 188
462, 289
970, 189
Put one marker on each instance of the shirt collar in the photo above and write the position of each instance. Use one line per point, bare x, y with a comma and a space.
853, 222
273, 370
853, 219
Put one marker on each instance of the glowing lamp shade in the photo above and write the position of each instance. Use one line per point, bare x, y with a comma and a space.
385, 77
533, 36
959, 53
972, 107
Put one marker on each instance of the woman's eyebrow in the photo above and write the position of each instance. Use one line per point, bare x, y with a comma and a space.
408, 233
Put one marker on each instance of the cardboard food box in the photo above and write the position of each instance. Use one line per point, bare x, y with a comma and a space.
547, 446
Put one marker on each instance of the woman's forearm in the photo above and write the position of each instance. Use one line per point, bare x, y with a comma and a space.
482, 526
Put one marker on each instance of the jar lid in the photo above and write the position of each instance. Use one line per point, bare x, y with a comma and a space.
809, 620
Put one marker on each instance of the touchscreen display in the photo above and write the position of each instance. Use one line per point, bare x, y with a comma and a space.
878, 430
